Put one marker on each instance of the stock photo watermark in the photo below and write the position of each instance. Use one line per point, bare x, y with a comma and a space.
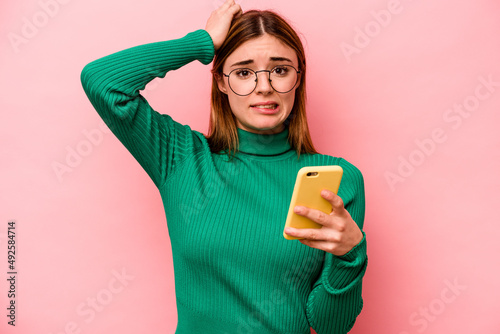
32, 25
253, 320
363, 36
97, 303
453, 117
12, 271
291, 279
75, 154
427, 314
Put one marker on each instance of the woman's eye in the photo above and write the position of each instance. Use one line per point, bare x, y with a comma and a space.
243, 73
281, 70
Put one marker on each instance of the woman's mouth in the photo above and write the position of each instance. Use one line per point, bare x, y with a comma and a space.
270, 108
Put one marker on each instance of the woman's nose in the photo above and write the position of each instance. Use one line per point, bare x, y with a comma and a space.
263, 83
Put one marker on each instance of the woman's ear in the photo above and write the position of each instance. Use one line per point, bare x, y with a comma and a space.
220, 83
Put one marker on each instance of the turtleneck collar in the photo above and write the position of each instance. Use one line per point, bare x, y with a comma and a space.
263, 144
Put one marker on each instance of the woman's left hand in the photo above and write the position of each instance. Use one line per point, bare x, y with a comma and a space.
339, 233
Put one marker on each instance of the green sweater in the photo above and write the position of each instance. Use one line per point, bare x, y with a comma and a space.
234, 270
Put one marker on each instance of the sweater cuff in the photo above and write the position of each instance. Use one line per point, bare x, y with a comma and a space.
342, 272
207, 49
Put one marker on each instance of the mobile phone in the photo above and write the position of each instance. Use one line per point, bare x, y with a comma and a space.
307, 192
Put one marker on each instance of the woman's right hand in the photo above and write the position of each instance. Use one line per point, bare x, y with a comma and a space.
220, 20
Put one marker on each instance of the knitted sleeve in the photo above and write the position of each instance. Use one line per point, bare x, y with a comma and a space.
113, 84
335, 300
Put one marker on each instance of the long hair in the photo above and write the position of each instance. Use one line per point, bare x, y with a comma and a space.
223, 134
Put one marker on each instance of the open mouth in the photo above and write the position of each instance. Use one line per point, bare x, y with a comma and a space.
266, 106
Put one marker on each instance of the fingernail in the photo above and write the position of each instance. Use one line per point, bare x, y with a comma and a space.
325, 193
298, 209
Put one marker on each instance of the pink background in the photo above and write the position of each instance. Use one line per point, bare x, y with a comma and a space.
386, 106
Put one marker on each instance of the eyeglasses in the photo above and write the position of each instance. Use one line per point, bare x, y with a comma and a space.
243, 81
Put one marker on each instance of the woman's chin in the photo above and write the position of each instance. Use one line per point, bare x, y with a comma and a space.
264, 127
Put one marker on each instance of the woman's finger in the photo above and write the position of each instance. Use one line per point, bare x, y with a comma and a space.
306, 233
315, 215
219, 22
335, 200
235, 9
226, 4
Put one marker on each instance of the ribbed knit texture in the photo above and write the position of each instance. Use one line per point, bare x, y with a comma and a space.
234, 270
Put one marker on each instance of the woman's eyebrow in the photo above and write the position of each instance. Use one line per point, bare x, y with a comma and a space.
250, 61
280, 59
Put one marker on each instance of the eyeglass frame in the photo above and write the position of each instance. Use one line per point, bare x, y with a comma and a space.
257, 78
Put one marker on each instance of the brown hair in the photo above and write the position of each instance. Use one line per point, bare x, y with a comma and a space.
223, 135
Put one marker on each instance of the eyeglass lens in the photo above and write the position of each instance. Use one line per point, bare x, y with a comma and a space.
243, 81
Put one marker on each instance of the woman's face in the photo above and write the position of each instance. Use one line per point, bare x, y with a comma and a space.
262, 53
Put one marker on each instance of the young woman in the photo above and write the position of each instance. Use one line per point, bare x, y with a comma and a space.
226, 195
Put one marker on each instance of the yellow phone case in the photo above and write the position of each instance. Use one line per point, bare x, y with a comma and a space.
307, 192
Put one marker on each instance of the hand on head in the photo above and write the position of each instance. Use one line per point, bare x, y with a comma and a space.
219, 22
